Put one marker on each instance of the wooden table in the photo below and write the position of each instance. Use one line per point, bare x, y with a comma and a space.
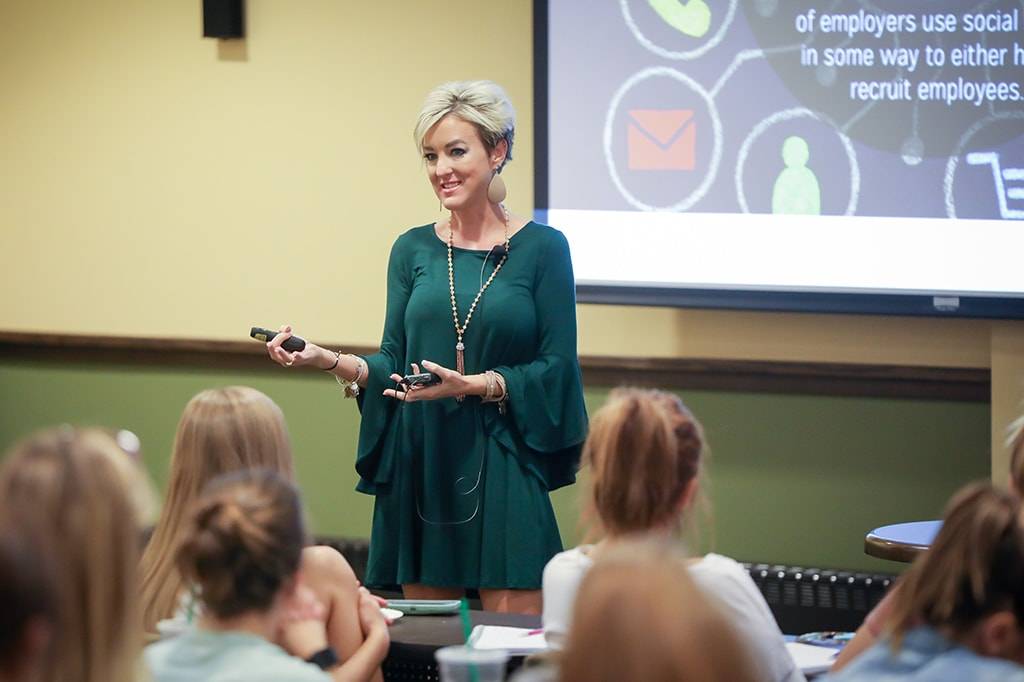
901, 541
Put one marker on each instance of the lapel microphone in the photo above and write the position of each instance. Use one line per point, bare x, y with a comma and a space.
498, 252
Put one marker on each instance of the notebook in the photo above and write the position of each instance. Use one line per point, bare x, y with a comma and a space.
811, 659
516, 641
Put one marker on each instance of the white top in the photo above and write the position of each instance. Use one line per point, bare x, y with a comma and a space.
718, 577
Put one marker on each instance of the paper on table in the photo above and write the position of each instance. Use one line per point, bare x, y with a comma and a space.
811, 659
512, 640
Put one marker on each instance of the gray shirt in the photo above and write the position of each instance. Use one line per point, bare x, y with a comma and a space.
226, 657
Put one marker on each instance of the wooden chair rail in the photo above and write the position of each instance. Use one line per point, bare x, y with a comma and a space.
758, 376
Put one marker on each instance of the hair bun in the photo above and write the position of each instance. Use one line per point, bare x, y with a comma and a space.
245, 538
644, 449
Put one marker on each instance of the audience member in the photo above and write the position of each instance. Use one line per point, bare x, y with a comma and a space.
221, 431
645, 452
875, 622
240, 550
1015, 444
77, 493
29, 615
959, 611
639, 616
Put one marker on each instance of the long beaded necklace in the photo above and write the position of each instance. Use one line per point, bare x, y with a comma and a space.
460, 330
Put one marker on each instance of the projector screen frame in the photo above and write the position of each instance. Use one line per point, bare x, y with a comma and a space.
916, 304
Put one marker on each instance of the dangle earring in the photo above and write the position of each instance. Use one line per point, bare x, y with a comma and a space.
496, 190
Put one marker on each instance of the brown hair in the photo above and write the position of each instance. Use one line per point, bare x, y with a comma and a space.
221, 430
243, 539
639, 616
643, 449
74, 487
1015, 444
27, 592
974, 568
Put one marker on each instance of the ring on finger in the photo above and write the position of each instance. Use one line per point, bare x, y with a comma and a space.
289, 363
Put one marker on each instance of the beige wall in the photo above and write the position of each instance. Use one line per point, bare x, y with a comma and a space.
158, 184
155, 183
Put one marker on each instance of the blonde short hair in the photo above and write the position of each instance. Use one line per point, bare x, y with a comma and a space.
482, 103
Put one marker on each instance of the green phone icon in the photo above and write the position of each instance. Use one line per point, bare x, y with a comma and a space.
692, 17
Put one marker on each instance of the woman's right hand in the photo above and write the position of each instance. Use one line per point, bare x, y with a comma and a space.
303, 630
312, 354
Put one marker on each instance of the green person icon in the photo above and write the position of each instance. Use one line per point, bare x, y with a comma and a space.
796, 190
691, 17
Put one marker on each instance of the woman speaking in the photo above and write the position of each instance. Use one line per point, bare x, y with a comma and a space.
485, 303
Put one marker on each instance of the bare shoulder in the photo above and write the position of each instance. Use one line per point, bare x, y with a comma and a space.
321, 560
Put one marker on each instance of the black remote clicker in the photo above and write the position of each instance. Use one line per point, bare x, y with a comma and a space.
421, 379
293, 343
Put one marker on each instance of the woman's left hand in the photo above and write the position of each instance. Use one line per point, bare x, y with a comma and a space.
452, 384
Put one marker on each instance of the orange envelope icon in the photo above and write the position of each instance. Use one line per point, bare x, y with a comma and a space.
661, 139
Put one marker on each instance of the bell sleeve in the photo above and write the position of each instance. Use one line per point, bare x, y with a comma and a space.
375, 452
545, 396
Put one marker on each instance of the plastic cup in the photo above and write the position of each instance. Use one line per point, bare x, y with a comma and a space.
463, 664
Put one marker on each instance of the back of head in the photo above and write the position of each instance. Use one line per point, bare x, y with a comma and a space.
228, 429
644, 448
482, 103
974, 568
28, 595
242, 541
74, 489
221, 431
639, 616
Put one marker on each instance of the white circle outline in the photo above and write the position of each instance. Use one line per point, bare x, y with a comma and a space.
788, 115
954, 160
716, 150
685, 54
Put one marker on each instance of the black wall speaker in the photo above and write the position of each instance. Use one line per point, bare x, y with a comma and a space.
224, 18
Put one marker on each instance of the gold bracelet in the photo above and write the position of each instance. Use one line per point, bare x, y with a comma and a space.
496, 391
503, 398
491, 383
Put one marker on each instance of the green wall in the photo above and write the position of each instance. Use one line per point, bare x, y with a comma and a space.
793, 479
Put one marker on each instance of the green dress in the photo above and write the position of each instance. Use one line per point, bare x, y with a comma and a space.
461, 489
